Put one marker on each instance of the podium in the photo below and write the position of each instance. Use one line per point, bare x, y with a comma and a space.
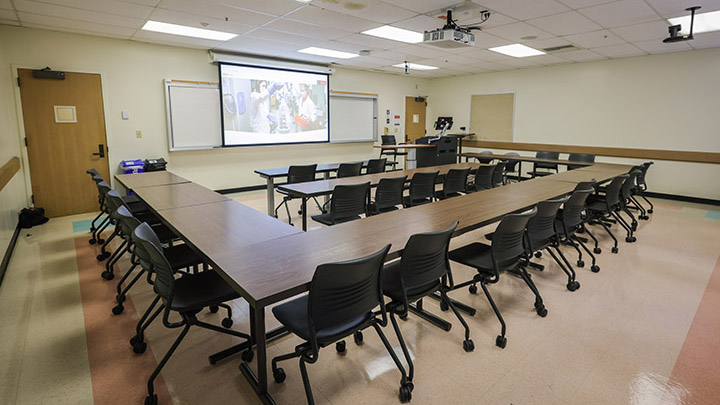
444, 152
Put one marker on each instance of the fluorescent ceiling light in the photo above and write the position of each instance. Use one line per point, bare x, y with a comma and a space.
415, 66
304, 1
705, 22
517, 50
396, 34
186, 31
329, 53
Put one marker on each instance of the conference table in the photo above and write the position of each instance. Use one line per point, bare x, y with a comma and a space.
411, 161
149, 179
316, 188
267, 266
521, 159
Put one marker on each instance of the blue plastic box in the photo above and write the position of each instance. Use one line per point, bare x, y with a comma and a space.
132, 166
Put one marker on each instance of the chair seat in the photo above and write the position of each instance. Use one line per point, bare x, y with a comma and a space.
196, 291
372, 208
164, 233
294, 315
598, 206
392, 284
326, 219
407, 202
181, 256
441, 195
477, 255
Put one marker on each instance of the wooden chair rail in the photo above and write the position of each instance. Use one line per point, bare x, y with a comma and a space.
659, 154
8, 170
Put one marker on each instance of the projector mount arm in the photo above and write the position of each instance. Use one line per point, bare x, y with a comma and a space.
450, 24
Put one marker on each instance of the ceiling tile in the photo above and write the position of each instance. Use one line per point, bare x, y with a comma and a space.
568, 23
496, 19
458, 59
643, 32
547, 43
546, 59
176, 17
372, 42
523, 9
151, 3
420, 23
216, 11
9, 22
515, 32
706, 40
277, 36
55, 23
6, 4
257, 47
657, 46
160, 38
273, 7
8, 15
580, 56
676, 8
373, 10
331, 19
393, 56
366, 61
70, 14
584, 3
105, 6
595, 39
310, 30
621, 13
422, 51
517, 62
425, 6
618, 51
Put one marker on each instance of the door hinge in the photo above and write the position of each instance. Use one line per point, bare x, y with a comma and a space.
32, 198
26, 142
426, 132
18, 81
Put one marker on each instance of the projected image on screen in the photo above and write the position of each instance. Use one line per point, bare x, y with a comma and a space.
271, 106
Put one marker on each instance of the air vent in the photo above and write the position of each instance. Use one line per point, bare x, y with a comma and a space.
563, 48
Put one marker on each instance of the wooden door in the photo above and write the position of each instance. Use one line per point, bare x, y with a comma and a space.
414, 118
60, 150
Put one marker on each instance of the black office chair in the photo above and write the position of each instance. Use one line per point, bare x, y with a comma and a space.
483, 178
507, 252
103, 188
96, 178
342, 301
347, 204
484, 160
543, 236
388, 195
349, 169
498, 177
297, 174
454, 184
388, 140
376, 166
641, 187
187, 296
512, 167
601, 209
422, 189
580, 157
543, 165
626, 198
571, 221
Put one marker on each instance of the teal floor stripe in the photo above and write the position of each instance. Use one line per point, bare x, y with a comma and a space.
713, 214
81, 226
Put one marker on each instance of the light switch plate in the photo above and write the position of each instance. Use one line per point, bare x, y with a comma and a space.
125, 115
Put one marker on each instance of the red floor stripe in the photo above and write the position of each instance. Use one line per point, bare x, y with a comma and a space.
118, 375
697, 369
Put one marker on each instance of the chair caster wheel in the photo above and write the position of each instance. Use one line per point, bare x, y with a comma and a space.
468, 345
538, 254
139, 347
473, 289
358, 337
214, 308
405, 394
595, 268
597, 250
340, 347
444, 306
501, 341
279, 375
633, 239
248, 355
580, 263
119, 299
118, 309
542, 311
614, 250
133, 340
650, 211
151, 399
108, 275
227, 323
403, 317
573, 285
628, 239
100, 257
100, 241
92, 241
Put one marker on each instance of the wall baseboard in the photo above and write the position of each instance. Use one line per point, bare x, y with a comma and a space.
9, 252
674, 197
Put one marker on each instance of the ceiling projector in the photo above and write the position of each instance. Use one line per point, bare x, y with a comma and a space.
452, 35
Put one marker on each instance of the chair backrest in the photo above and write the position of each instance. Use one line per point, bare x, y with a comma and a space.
126, 221
541, 228
103, 189
498, 176
342, 292
585, 185
485, 160
547, 155
573, 209
456, 181
511, 163
641, 179
628, 185
425, 260
376, 165
508, 240
146, 239
349, 169
580, 157
113, 201
612, 192
97, 178
484, 177
92, 172
389, 140
301, 174
422, 185
389, 192
349, 200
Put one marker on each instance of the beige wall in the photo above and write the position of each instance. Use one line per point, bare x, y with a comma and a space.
133, 74
12, 197
668, 101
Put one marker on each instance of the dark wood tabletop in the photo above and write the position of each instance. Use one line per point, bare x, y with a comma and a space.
606, 173
283, 171
149, 179
524, 159
177, 195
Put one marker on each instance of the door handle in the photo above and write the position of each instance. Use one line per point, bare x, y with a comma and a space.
100, 152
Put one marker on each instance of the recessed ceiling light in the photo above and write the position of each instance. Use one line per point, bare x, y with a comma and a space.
396, 34
517, 50
705, 22
186, 31
415, 66
329, 53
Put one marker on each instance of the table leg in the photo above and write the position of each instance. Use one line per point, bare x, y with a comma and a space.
326, 197
459, 159
259, 382
304, 215
270, 196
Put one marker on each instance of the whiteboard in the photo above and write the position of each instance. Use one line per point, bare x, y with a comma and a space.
353, 118
193, 115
